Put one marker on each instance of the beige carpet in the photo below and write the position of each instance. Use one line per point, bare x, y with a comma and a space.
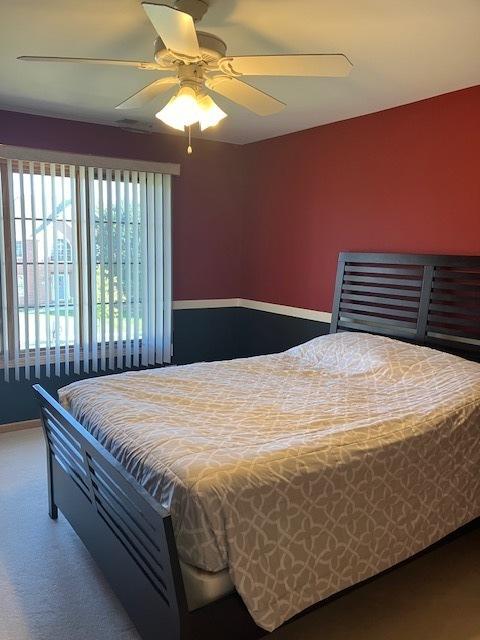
50, 589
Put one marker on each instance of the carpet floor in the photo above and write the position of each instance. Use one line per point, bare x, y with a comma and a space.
51, 589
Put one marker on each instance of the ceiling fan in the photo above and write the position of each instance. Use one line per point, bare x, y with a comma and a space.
199, 62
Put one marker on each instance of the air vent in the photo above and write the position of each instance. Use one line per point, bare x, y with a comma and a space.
129, 124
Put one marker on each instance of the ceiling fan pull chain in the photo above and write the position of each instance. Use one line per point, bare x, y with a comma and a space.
189, 148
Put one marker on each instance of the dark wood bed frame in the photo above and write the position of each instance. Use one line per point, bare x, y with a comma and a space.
431, 300
426, 299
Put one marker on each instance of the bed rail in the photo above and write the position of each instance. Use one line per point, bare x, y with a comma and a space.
127, 532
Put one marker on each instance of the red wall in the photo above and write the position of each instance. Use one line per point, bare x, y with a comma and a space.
266, 221
406, 179
207, 222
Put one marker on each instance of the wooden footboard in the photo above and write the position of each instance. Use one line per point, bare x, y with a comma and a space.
129, 535
124, 528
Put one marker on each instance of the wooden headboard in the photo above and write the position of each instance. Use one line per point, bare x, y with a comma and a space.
432, 300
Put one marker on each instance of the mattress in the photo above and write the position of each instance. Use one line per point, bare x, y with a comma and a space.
300, 473
203, 587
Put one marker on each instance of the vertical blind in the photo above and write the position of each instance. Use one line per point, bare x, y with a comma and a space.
88, 282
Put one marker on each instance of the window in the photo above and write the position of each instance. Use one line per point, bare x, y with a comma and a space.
19, 249
89, 281
20, 288
60, 288
62, 251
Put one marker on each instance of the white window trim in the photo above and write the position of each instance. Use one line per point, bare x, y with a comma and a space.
9, 152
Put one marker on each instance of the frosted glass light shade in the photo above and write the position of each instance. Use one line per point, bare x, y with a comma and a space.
210, 114
181, 111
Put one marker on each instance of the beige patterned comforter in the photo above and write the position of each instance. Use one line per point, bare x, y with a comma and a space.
303, 472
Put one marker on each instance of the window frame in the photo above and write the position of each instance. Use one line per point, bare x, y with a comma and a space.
151, 342
10, 253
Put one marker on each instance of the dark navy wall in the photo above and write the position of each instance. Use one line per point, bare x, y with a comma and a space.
198, 335
222, 334
206, 334
17, 401
263, 332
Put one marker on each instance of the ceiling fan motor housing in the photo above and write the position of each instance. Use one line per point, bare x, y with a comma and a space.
191, 75
212, 49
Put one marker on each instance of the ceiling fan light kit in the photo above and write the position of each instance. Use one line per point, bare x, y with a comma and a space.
199, 62
187, 108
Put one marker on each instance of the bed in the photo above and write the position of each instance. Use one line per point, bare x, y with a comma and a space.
225, 498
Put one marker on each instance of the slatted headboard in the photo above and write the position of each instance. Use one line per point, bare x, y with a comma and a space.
427, 299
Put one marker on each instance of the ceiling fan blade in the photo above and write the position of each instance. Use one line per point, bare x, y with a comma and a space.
175, 28
139, 64
148, 93
244, 94
322, 64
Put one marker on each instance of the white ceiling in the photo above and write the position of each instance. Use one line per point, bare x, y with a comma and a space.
402, 51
